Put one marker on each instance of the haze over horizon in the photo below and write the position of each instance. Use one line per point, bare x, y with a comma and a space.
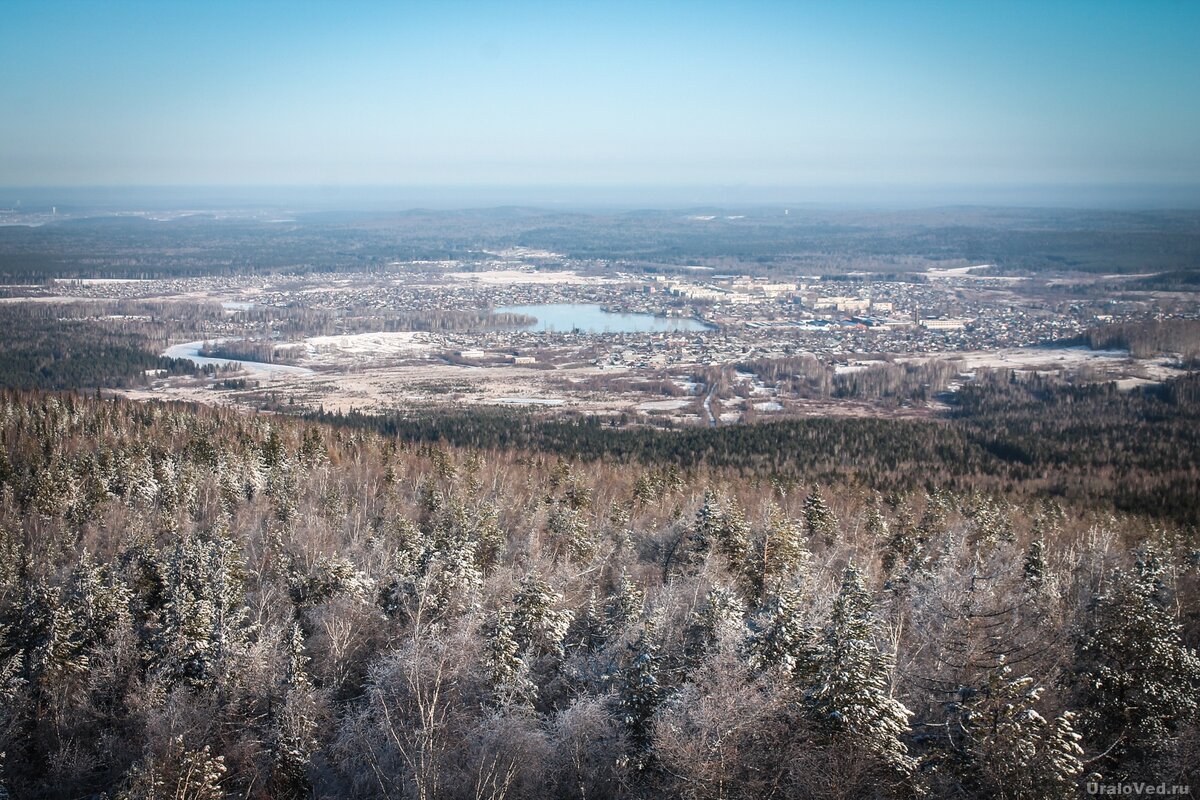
1070, 103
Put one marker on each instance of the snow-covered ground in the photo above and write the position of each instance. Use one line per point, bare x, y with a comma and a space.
530, 401
664, 405
191, 351
336, 350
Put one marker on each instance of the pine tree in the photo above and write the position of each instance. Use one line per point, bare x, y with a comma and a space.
698, 541
490, 538
205, 624
877, 524
902, 550
569, 529
450, 580
992, 522
329, 578
781, 553
180, 773
53, 639
624, 606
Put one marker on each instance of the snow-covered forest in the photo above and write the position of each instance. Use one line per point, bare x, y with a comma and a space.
197, 603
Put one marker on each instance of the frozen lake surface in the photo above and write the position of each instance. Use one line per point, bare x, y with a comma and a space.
566, 317
191, 351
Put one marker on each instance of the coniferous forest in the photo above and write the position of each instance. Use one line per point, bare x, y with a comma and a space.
199, 603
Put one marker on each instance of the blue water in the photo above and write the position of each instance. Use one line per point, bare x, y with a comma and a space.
566, 317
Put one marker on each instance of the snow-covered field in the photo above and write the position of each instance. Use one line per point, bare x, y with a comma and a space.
509, 277
530, 401
336, 350
664, 405
96, 281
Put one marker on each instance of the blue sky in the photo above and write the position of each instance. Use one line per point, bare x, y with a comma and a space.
749, 94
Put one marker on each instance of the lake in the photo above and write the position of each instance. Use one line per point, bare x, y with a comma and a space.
566, 317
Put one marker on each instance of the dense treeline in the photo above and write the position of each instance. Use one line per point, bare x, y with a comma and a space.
196, 246
1149, 338
261, 350
200, 604
1179, 280
755, 239
878, 379
48, 348
1138, 448
1133, 450
885, 453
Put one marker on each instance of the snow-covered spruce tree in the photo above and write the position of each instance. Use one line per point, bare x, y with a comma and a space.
718, 618
568, 529
900, 547
205, 624
449, 580
1005, 748
938, 505
624, 607
457, 526
1137, 683
877, 524
991, 522
820, 521
697, 541
329, 577
432, 575
294, 727
97, 600
55, 642
851, 695
507, 672
779, 638
1034, 568
490, 538
283, 488
539, 627
641, 691
731, 539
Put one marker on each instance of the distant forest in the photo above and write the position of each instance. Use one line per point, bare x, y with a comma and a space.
1133, 450
46, 346
1147, 338
1020, 240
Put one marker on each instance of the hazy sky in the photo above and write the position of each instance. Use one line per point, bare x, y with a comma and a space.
599, 93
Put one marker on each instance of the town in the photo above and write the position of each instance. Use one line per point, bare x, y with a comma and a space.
635, 342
